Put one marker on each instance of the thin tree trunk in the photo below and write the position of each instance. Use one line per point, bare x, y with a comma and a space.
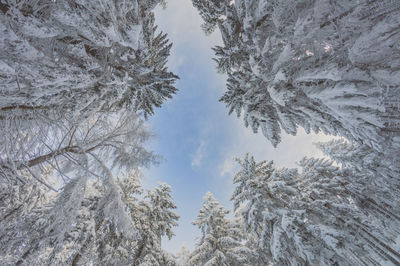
22, 107
43, 158
140, 251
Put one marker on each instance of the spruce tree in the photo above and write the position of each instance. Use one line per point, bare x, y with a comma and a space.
156, 221
82, 57
324, 66
311, 217
221, 241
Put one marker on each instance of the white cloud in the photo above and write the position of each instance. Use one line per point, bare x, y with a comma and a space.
184, 25
199, 155
287, 154
183, 28
228, 167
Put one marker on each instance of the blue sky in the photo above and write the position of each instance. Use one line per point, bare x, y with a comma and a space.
193, 131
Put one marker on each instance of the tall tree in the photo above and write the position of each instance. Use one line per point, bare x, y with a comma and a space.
74, 145
92, 222
322, 65
77, 76
310, 217
183, 256
82, 57
360, 157
248, 201
375, 183
157, 220
76, 67
221, 241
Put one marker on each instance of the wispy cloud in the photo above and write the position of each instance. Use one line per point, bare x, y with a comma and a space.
183, 28
228, 167
199, 155
184, 25
287, 154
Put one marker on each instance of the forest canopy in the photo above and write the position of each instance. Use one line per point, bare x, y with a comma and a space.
79, 79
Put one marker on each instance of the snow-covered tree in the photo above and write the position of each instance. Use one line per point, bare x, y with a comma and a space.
311, 217
360, 157
211, 19
322, 65
76, 78
18, 200
62, 231
71, 70
81, 57
156, 221
75, 145
374, 184
182, 257
93, 222
75, 228
250, 188
221, 240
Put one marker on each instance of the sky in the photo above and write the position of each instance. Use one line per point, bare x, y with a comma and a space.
194, 133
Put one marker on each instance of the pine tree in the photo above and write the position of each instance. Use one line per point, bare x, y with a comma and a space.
77, 78
93, 222
325, 66
310, 217
183, 256
156, 221
248, 199
82, 57
361, 157
220, 243
72, 64
211, 11
343, 197
374, 183
71, 67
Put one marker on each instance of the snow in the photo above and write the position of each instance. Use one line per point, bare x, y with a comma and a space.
285, 56
76, 80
